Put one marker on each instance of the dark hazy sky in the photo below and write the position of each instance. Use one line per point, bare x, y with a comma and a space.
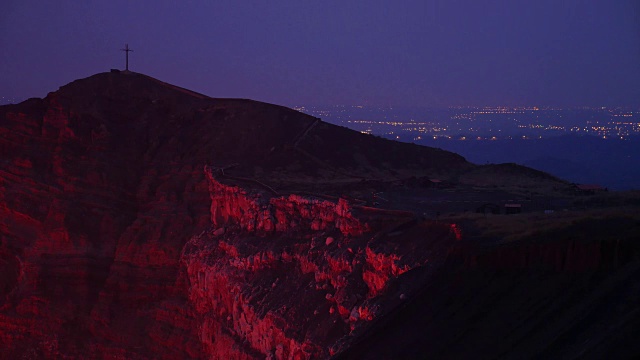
404, 52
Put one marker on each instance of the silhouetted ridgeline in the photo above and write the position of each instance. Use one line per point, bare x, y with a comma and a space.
612, 163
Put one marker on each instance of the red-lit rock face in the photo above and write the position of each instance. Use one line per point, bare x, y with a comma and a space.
265, 281
89, 253
253, 213
102, 185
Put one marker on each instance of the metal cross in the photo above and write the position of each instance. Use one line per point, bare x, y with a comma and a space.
126, 50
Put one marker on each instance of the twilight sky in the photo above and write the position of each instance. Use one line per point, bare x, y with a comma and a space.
295, 52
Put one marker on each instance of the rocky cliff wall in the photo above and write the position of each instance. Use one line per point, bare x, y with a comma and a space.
286, 277
90, 243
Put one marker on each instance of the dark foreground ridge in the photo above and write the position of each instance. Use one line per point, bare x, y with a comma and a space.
141, 220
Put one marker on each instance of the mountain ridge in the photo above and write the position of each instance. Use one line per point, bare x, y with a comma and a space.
103, 183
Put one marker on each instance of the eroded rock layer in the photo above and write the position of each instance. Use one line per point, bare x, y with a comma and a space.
296, 278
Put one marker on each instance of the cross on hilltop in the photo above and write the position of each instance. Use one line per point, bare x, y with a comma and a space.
126, 51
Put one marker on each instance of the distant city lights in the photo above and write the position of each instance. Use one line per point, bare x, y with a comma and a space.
481, 123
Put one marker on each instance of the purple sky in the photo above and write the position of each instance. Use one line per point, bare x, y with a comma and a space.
294, 52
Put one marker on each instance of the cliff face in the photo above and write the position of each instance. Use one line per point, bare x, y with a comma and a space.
296, 278
91, 238
114, 243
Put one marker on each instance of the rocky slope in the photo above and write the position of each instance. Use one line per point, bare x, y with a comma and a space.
118, 241
297, 278
567, 293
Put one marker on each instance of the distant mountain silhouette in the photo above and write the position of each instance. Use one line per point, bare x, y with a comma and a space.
613, 163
